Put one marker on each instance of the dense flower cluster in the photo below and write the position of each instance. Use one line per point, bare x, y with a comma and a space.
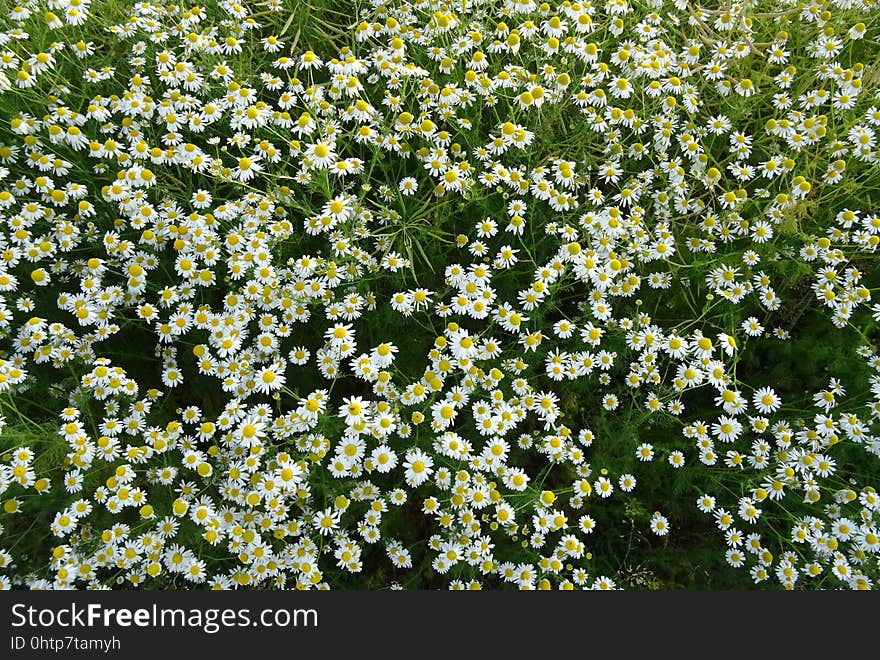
275, 300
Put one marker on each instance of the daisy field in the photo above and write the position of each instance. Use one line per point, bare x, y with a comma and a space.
426, 294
